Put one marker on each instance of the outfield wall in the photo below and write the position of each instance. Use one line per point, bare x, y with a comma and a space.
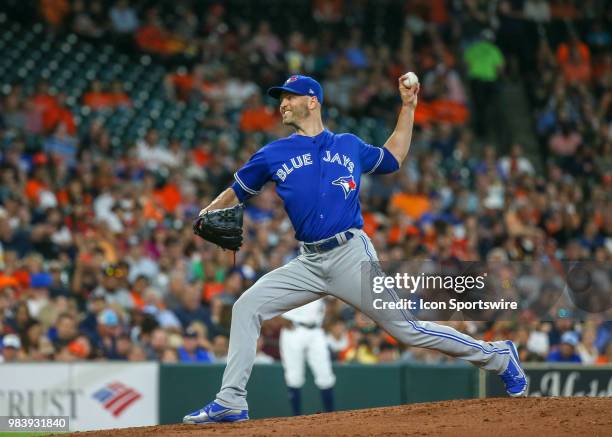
547, 380
187, 387
118, 394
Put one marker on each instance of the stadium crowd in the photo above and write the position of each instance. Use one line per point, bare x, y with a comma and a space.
97, 256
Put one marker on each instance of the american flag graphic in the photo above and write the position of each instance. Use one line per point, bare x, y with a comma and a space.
116, 397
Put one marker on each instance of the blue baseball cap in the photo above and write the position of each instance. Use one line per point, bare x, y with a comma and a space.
300, 85
570, 337
108, 317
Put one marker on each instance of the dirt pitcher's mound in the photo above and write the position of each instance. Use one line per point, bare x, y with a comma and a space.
524, 417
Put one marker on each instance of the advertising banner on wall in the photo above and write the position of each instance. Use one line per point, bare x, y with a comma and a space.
92, 395
557, 380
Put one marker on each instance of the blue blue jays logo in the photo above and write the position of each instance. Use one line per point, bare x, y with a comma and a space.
291, 79
347, 183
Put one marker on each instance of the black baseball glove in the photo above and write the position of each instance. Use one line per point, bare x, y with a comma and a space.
221, 226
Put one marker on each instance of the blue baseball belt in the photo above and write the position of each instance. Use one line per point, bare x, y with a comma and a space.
328, 244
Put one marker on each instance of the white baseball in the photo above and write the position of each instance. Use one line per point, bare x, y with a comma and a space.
410, 79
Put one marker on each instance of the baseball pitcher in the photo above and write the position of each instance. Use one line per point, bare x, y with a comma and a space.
318, 175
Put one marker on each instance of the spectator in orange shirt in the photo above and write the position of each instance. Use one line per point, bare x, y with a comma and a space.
439, 12
424, 114
97, 97
138, 288
257, 117
7, 281
151, 37
179, 85
370, 223
154, 38
564, 10
183, 85
58, 114
202, 154
55, 12
169, 196
577, 68
411, 201
119, 97
564, 50
38, 183
42, 100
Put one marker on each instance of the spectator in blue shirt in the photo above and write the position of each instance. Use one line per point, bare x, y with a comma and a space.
192, 310
191, 351
566, 352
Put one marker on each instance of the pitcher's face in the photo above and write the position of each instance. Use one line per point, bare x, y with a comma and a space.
294, 108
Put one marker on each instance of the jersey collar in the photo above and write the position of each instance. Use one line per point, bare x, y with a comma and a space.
326, 132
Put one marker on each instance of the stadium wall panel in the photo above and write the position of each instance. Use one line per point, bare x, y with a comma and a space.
186, 387
93, 395
547, 379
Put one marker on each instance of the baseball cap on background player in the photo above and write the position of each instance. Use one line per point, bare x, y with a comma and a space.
570, 337
300, 85
11, 340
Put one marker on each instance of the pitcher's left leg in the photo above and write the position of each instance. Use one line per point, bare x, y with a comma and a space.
345, 269
295, 284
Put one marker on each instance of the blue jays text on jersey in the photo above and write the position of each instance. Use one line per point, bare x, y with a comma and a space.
317, 178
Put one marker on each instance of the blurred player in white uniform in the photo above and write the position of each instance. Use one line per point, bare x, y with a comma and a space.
303, 340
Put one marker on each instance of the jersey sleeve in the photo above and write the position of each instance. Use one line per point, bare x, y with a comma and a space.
249, 180
376, 160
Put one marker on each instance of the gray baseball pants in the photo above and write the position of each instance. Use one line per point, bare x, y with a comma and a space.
337, 273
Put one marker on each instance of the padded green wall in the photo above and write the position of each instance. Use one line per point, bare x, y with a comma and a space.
187, 387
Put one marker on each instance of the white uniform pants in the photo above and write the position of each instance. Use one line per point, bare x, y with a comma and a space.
302, 345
